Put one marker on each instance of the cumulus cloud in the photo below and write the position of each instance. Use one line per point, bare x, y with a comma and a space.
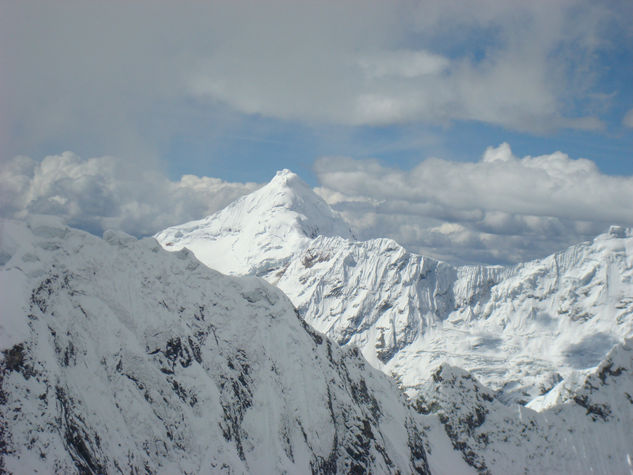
499, 209
106, 192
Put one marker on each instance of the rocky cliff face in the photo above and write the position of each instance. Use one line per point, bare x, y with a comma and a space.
120, 357
584, 425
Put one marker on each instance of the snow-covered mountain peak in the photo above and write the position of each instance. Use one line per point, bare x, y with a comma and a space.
519, 329
287, 178
287, 196
285, 189
260, 231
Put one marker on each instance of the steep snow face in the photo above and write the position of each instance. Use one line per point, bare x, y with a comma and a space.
259, 232
588, 429
120, 357
373, 294
519, 329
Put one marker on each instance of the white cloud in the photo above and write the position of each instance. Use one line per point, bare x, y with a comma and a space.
107, 192
627, 120
519, 72
122, 76
403, 63
499, 209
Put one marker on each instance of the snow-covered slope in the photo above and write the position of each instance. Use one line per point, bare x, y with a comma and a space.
120, 357
519, 329
589, 429
259, 231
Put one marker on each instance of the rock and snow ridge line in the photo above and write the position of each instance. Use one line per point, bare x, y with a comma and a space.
128, 358
520, 329
586, 428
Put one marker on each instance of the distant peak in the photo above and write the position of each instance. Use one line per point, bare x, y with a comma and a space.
285, 173
286, 177
289, 183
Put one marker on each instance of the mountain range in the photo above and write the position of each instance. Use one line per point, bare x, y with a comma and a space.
519, 329
353, 357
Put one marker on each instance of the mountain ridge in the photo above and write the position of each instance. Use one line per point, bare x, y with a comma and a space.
131, 358
408, 313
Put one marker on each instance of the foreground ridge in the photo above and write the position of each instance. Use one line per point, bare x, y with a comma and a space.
120, 357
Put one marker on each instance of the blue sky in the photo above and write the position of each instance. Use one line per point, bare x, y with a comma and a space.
237, 90
296, 146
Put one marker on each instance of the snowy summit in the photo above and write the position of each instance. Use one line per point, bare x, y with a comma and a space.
520, 329
259, 231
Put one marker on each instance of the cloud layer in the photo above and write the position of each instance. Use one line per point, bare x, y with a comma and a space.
499, 209
359, 66
122, 77
100, 193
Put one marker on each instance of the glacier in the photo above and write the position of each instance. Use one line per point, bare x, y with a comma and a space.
588, 428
